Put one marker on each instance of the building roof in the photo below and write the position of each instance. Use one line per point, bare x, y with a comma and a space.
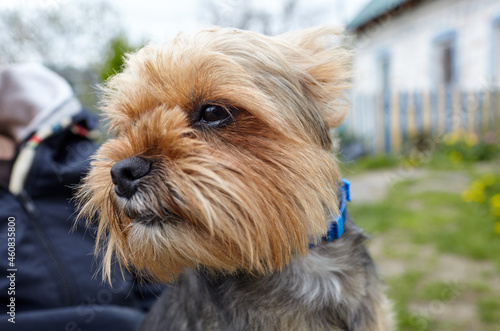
373, 10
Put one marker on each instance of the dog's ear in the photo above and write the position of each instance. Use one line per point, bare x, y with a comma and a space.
325, 60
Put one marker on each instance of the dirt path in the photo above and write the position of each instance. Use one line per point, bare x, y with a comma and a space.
374, 186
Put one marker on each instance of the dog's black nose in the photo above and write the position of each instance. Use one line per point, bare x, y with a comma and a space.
127, 173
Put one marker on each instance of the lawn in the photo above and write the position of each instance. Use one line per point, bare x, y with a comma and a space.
438, 254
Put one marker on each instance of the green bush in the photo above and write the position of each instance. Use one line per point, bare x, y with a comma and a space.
488, 310
115, 56
376, 162
461, 146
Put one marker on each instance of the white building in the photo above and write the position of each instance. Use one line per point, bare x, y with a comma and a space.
410, 54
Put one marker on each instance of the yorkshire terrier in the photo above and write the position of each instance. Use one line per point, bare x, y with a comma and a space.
220, 179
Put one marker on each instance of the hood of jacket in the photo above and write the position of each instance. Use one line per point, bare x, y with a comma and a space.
44, 119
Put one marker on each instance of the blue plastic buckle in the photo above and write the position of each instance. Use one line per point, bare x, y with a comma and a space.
336, 225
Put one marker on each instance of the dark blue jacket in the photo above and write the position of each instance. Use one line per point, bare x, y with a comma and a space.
51, 282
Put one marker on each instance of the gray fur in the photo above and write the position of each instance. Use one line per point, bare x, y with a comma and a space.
334, 287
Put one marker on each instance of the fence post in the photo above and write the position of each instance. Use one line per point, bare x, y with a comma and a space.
441, 112
426, 112
485, 117
354, 129
455, 124
395, 123
497, 93
380, 123
412, 131
471, 106
386, 97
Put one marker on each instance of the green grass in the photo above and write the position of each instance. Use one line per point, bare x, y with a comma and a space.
441, 291
409, 219
370, 163
442, 219
489, 310
401, 290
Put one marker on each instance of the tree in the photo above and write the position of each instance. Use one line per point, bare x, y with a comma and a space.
58, 34
114, 57
261, 17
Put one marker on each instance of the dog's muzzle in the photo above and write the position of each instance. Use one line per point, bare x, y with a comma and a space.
126, 175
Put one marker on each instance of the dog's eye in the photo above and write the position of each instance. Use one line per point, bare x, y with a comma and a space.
214, 115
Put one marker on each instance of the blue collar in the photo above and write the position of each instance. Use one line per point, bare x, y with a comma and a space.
336, 225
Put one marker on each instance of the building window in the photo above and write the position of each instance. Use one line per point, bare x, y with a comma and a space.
384, 72
445, 63
445, 60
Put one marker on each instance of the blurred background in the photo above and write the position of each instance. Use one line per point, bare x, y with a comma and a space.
420, 144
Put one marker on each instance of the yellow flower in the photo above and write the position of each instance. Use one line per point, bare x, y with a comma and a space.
455, 157
495, 204
478, 185
495, 200
473, 195
471, 139
451, 138
488, 179
479, 196
497, 227
467, 196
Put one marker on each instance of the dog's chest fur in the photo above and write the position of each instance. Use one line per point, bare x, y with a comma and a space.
333, 287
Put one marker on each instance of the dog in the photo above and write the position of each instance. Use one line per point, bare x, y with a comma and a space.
220, 179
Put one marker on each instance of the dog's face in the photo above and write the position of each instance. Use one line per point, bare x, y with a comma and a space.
220, 157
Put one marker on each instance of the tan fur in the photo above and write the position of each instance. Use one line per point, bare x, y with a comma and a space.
245, 198
254, 193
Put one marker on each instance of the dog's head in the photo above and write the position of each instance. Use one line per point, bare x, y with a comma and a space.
220, 157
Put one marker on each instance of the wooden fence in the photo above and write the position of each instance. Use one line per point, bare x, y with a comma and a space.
384, 122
